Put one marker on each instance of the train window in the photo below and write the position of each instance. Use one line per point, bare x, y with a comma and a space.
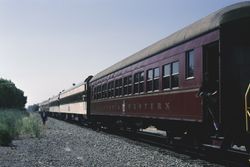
141, 82
103, 91
153, 76
127, 85
99, 93
190, 64
109, 89
120, 87
156, 79
136, 83
149, 80
116, 88
104, 87
150, 75
175, 75
112, 89
95, 93
125, 81
130, 85
166, 76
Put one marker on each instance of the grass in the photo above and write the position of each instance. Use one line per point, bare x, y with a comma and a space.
15, 123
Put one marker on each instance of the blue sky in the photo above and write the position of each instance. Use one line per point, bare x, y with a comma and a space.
46, 45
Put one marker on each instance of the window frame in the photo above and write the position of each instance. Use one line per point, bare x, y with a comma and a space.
112, 88
130, 83
139, 82
164, 76
174, 74
125, 86
120, 84
104, 90
148, 80
171, 75
152, 80
188, 63
136, 83
155, 78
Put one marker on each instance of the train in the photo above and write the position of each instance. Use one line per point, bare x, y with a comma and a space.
193, 84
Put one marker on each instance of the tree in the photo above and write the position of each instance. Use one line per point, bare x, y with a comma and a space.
33, 108
10, 96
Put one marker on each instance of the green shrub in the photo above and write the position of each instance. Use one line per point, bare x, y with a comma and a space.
14, 123
30, 126
9, 119
5, 135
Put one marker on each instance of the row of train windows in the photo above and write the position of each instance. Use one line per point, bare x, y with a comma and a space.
123, 86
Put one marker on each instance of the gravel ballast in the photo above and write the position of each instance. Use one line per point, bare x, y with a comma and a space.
67, 145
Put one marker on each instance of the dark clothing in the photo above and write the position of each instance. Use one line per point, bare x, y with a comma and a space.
44, 117
209, 92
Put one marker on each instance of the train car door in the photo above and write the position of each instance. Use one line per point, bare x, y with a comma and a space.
211, 82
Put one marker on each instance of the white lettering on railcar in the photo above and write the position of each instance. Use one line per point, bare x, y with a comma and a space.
124, 107
151, 106
159, 106
167, 106
140, 106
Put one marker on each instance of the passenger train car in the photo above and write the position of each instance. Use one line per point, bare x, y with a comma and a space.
191, 82
68, 103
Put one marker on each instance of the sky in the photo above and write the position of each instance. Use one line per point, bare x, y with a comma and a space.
47, 45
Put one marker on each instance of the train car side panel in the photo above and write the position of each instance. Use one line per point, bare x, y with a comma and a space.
179, 105
74, 108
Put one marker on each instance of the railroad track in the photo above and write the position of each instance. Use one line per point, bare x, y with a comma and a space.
232, 158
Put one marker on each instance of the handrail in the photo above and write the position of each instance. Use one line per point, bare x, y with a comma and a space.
247, 108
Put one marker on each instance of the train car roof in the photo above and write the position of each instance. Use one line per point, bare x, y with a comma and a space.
207, 24
72, 87
55, 97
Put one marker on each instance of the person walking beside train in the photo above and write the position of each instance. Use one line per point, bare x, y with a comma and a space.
44, 117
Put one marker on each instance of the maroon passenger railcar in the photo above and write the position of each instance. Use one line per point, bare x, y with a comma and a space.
160, 85
157, 87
